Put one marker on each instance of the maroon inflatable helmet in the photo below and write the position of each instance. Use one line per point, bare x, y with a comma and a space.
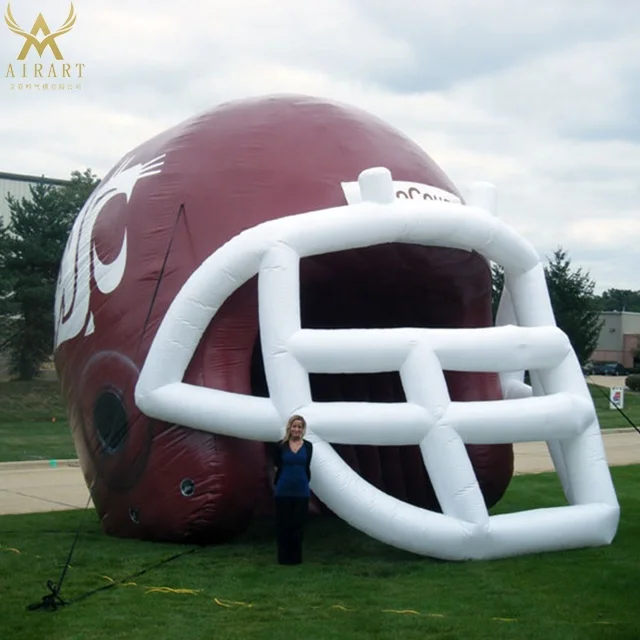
163, 209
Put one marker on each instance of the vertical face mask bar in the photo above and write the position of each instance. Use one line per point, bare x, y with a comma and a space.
513, 386
583, 482
560, 404
289, 386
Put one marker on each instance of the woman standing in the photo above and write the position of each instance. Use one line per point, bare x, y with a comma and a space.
293, 472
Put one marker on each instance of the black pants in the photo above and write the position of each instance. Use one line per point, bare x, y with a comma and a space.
291, 515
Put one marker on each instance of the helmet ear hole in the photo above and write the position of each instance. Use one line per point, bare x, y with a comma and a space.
110, 420
114, 439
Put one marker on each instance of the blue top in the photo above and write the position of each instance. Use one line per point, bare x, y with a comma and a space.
293, 481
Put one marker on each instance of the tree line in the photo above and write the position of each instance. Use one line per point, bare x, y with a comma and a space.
575, 306
31, 248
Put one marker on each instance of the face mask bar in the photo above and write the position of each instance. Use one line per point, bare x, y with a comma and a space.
557, 409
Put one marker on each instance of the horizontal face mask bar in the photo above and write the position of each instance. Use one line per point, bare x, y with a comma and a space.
560, 415
484, 349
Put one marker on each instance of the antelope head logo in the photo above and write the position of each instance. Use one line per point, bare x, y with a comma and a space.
40, 26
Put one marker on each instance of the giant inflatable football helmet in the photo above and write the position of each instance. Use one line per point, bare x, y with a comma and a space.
292, 255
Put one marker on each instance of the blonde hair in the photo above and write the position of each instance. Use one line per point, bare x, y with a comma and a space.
290, 421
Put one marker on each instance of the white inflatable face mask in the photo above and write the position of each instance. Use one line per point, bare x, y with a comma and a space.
557, 408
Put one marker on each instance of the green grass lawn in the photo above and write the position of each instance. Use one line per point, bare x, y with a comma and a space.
33, 424
349, 586
610, 418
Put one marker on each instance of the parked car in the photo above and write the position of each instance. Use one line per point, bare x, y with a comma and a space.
598, 368
606, 369
614, 369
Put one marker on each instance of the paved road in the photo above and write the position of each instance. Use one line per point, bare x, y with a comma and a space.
621, 445
607, 381
30, 487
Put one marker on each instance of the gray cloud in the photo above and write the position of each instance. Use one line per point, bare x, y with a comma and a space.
539, 98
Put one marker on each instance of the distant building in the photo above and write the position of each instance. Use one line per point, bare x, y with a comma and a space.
619, 338
17, 185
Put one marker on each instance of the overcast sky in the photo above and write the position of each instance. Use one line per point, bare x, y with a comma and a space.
540, 98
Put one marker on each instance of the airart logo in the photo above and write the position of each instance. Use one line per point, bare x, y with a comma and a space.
56, 74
